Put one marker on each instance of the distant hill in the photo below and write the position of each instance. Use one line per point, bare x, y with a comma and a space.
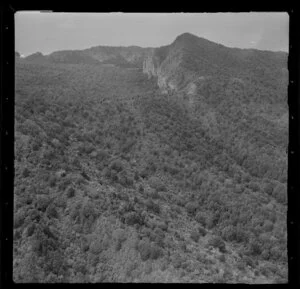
120, 56
37, 57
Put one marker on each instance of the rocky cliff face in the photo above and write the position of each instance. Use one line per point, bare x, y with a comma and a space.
152, 67
162, 67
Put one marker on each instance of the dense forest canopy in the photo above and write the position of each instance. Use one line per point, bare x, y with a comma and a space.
155, 165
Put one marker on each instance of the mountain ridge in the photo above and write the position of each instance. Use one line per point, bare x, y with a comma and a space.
180, 37
178, 65
153, 47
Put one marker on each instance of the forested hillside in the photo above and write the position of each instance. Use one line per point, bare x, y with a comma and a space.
119, 181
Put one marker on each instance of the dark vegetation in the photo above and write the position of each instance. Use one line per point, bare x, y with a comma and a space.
116, 182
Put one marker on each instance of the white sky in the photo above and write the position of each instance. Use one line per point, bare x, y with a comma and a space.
48, 32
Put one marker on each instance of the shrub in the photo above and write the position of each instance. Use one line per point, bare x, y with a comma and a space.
26, 173
264, 270
64, 184
195, 236
156, 252
227, 274
97, 247
80, 180
222, 258
164, 266
241, 265
132, 218
218, 243
136, 176
17, 235
173, 170
52, 181
75, 212
34, 215
280, 193
152, 206
202, 231
210, 222
149, 268
60, 202
52, 212
42, 202
83, 173
86, 148
183, 246
201, 219
175, 210
118, 245
144, 173
275, 253
163, 226
151, 167
254, 247
120, 237
249, 262
141, 188
253, 186
130, 269
157, 184
265, 254
117, 165
268, 188
231, 233
154, 195
76, 163
70, 192
191, 208
177, 261
159, 237
31, 229
256, 273
148, 250
19, 218
88, 212
125, 180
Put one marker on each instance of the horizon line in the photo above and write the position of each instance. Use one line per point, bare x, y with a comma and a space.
149, 47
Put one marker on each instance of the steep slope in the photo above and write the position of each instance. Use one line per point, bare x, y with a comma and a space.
190, 57
234, 93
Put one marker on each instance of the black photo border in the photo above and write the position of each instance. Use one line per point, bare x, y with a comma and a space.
7, 61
